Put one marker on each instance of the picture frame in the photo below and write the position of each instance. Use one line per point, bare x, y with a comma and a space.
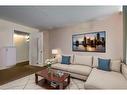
89, 42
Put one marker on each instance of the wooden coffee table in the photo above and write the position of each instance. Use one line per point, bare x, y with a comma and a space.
62, 81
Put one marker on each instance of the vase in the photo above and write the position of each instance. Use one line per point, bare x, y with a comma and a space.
49, 70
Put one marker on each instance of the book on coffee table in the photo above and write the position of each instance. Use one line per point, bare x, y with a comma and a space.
54, 84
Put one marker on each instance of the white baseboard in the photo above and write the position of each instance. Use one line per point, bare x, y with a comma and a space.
5, 67
40, 65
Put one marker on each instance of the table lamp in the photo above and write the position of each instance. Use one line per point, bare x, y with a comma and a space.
54, 52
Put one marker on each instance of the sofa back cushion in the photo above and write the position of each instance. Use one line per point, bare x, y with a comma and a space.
83, 60
124, 70
95, 62
59, 58
115, 64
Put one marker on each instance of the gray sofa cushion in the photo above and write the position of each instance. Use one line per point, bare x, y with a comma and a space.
99, 79
83, 60
60, 66
124, 70
78, 69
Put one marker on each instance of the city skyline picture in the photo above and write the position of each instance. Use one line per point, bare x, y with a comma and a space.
89, 42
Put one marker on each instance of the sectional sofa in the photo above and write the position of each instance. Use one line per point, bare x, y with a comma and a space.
85, 68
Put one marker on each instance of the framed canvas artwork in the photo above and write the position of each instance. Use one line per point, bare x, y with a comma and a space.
89, 42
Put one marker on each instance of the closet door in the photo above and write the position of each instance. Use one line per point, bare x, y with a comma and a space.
40, 48
33, 55
10, 57
7, 57
36, 48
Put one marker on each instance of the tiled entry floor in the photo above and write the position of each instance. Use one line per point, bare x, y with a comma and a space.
28, 82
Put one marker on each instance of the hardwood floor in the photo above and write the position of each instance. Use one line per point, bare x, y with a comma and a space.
16, 72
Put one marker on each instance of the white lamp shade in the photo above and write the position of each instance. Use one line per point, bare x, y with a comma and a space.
54, 51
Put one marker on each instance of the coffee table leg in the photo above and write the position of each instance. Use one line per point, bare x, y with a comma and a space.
36, 78
68, 79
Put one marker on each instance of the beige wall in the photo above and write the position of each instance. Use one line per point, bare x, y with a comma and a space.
22, 48
113, 25
7, 29
6, 37
6, 34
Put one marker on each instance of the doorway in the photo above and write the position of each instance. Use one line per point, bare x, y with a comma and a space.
21, 42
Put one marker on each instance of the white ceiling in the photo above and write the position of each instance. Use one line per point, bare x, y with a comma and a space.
47, 17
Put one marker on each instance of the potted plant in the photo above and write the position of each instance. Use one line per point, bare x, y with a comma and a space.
49, 62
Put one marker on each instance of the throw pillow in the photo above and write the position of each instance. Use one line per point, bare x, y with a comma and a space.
104, 64
65, 60
115, 65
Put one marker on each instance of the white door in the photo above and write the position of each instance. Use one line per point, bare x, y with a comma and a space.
36, 49
33, 55
40, 48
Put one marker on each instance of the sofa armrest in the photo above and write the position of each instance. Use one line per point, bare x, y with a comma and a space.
124, 70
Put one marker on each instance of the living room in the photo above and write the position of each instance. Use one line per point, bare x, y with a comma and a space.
57, 37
